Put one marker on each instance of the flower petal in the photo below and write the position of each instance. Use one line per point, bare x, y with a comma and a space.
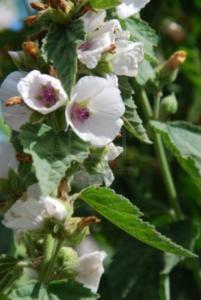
90, 51
30, 88
105, 106
127, 57
93, 20
130, 7
91, 270
17, 115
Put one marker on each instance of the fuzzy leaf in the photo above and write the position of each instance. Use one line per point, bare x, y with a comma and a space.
52, 153
184, 141
133, 122
104, 4
120, 211
63, 55
142, 32
71, 291
31, 290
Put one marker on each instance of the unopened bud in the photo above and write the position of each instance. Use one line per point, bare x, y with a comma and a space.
68, 261
75, 233
38, 5
31, 20
175, 60
14, 101
58, 4
168, 106
30, 48
167, 73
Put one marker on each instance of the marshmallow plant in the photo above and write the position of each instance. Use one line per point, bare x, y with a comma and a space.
70, 107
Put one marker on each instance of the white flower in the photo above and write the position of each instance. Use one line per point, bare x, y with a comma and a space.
130, 7
41, 92
91, 269
127, 57
95, 110
112, 153
7, 159
31, 211
92, 20
17, 115
100, 38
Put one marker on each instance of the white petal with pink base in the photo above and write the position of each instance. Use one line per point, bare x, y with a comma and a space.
17, 115
95, 110
41, 92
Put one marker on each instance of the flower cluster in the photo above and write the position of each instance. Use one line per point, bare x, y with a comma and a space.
93, 110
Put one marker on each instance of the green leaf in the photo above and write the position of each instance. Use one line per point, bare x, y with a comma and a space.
71, 291
142, 32
63, 54
6, 235
52, 153
141, 266
184, 141
133, 122
104, 4
145, 72
10, 271
31, 290
120, 211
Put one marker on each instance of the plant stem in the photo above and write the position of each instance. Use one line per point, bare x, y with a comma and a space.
169, 183
30, 245
51, 264
160, 151
47, 252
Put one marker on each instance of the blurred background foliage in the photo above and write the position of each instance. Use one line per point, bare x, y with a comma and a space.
135, 270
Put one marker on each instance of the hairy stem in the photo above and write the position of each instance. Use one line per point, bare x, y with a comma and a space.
160, 151
47, 253
51, 264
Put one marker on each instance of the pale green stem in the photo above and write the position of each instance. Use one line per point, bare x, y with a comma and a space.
51, 264
47, 254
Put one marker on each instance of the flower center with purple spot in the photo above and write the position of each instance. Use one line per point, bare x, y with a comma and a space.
85, 46
80, 113
48, 96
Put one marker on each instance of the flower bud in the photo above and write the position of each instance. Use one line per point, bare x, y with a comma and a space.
30, 48
168, 106
74, 233
167, 73
68, 261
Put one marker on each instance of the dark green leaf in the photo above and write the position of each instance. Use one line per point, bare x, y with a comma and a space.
184, 141
133, 122
63, 54
71, 291
140, 266
52, 153
120, 211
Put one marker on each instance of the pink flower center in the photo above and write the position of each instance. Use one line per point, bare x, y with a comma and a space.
48, 96
85, 46
80, 113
